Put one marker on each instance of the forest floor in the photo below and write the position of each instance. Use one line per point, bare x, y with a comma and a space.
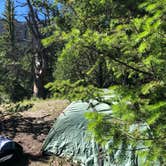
30, 128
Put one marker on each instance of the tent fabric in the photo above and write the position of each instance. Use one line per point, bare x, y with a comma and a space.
69, 138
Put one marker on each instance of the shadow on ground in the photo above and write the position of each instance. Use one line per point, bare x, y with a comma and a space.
18, 124
30, 132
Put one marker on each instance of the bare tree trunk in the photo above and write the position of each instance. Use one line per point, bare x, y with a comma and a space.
39, 75
39, 56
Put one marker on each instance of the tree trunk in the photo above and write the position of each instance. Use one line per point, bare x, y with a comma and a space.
39, 74
40, 61
38, 86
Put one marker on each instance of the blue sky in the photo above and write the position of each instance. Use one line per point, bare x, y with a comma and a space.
20, 11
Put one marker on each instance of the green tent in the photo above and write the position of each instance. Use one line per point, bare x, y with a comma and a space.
69, 138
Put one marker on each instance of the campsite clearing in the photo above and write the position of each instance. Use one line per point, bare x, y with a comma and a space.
29, 128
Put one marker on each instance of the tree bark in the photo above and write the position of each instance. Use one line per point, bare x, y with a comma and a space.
39, 75
39, 56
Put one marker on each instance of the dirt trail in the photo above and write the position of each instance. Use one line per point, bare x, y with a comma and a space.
30, 128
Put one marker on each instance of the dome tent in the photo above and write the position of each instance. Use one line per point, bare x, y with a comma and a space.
69, 138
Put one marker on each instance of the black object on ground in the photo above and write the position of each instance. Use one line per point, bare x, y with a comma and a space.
11, 153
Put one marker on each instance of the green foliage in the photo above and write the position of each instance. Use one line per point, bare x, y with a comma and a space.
130, 36
73, 91
4, 96
9, 15
15, 64
99, 126
15, 75
17, 107
76, 58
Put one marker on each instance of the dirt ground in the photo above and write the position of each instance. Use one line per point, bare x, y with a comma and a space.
29, 128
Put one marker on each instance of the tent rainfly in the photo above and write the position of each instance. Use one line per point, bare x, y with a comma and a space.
69, 138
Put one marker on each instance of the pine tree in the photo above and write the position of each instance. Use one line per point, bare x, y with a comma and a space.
9, 17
